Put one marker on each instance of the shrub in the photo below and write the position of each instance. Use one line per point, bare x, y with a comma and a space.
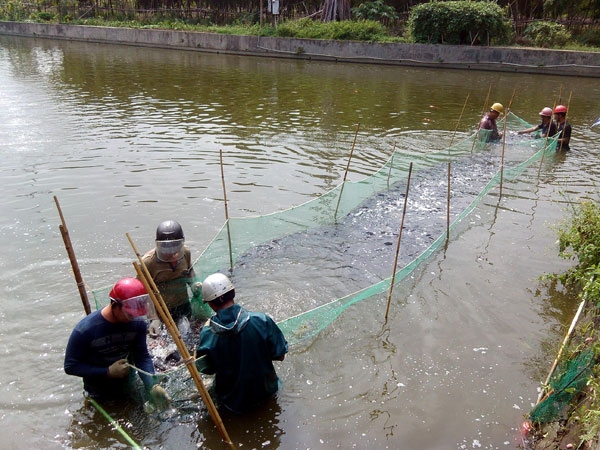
43, 16
459, 22
579, 238
547, 34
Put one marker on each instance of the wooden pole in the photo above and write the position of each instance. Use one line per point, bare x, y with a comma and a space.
226, 212
448, 207
165, 315
504, 139
69, 247
546, 143
562, 347
389, 299
346, 173
487, 99
566, 114
391, 164
459, 119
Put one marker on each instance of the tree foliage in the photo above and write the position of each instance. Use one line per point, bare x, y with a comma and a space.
375, 10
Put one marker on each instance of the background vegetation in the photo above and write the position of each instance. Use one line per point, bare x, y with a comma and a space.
540, 23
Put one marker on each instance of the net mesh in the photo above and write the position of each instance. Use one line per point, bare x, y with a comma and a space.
569, 378
239, 236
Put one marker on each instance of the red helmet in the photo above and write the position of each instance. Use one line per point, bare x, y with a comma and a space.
127, 288
560, 109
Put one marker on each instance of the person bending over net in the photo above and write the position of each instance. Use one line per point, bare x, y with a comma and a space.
239, 347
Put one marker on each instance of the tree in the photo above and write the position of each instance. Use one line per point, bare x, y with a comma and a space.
332, 10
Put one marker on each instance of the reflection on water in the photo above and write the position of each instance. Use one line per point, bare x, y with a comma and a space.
127, 137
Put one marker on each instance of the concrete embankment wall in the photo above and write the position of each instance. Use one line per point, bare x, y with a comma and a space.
523, 60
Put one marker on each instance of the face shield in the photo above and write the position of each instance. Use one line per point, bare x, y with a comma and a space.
138, 308
169, 251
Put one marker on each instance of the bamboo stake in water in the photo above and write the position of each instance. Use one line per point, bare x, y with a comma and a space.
448, 207
389, 299
69, 247
487, 99
391, 165
346, 172
165, 315
566, 114
226, 212
504, 139
459, 119
545, 143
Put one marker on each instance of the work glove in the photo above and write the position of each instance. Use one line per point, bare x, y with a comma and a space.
159, 397
118, 369
196, 289
154, 328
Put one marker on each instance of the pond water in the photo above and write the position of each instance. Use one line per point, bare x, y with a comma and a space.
126, 137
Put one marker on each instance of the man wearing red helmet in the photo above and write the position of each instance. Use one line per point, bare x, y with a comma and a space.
564, 128
546, 128
103, 346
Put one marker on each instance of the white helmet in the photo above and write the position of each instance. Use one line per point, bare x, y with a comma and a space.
214, 286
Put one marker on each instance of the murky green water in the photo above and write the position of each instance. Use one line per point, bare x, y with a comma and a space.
126, 137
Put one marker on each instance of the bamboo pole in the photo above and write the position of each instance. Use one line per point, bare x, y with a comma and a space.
487, 99
448, 206
546, 142
114, 424
165, 315
346, 173
459, 119
389, 299
226, 212
562, 347
504, 139
566, 115
69, 247
391, 164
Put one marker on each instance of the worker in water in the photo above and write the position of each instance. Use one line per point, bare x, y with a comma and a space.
564, 128
103, 346
170, 266
239, 347
488, 122
546, 128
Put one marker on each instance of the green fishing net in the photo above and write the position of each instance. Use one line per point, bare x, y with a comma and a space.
239, 235
569, 378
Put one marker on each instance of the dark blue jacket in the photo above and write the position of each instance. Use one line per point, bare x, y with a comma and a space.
96, 343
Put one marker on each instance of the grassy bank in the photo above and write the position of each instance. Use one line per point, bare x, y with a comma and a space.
568, 414
304, 28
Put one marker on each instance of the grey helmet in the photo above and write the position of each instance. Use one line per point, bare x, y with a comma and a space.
169, 241
169, 230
